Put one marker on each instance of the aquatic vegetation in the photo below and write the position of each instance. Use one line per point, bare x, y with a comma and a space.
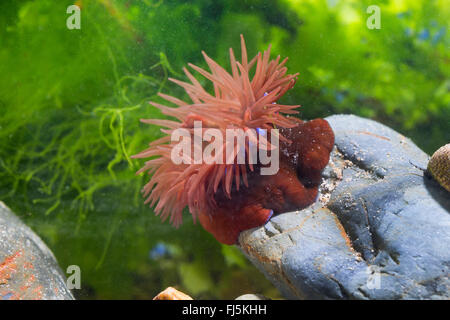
67, 128
241, 102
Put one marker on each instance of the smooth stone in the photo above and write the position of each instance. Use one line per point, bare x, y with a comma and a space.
28, 269
379, 230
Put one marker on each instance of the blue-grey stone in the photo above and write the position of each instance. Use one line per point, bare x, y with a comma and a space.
28, 269
379, 230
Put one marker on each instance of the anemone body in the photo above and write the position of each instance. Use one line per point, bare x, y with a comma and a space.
293, 187
230, 197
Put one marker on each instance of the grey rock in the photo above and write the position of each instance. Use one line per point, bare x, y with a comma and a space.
379, 230
28, 269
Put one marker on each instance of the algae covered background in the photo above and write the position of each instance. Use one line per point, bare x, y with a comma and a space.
71, 100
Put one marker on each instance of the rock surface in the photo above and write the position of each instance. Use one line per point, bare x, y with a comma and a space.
28, 269
379, 230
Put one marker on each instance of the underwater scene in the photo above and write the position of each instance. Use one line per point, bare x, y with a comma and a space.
351, 161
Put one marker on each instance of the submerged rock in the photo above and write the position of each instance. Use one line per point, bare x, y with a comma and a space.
28, 269
379, 230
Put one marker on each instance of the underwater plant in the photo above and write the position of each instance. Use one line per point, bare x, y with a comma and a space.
223, 208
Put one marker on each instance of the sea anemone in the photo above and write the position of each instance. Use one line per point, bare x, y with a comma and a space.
232, 196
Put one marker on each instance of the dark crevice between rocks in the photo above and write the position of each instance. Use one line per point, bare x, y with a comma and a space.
364, 293
394, 256
271, 229
383, 248
342, 162
276, 227
343, 293
290, 238
358, 231
376, 174
367, 250
373, 245
434, 285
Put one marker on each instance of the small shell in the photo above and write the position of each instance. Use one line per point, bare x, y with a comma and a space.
439, 166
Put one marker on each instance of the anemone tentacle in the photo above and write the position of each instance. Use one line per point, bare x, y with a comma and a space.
237, 102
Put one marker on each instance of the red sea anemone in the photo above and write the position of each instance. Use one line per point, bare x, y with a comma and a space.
231, 197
